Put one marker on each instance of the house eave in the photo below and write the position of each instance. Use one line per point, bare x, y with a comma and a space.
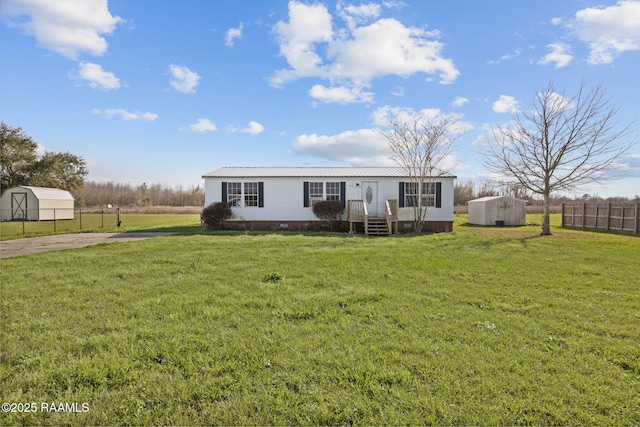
313, 173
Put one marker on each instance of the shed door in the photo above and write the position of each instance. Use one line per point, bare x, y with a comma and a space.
370, 197
19, 206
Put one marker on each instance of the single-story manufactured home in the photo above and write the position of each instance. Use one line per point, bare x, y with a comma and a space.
498, 210
26, 203
380, 198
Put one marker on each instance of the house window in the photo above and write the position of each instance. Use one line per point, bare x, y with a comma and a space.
411, 194
234, 193
429, 194
333, 191
250, 194
247, 194
315, 193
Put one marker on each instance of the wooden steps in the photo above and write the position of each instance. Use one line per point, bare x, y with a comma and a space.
374, 226
377, 227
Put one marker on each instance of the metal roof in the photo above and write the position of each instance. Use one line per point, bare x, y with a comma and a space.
43, 193
310, 172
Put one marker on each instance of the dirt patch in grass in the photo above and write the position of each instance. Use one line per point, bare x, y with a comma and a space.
27, 246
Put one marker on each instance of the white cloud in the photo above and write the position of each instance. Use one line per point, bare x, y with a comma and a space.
484, 136
383, 115
308, 25
233, 34
459, 101
559, 102
202, 126
341, 94
508, 56
124, 114
67, 27
505, 104
183, 79
254, 128
369, 147
515, 54
41, 150
609, 31
629, 166
359, 148
398, 91
350, 58
387, 47
354, 15
363, 147
560, 55
96, 77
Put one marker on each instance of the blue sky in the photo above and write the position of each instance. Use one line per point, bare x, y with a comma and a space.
164, 91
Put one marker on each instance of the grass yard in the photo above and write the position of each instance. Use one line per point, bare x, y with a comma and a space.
96, 222
483, 326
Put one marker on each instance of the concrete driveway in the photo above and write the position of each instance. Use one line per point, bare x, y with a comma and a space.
32, 245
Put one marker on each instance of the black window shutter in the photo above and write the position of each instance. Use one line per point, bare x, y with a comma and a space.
343, 193
438, 194
305, 192
261, 194
224, 191
401, 194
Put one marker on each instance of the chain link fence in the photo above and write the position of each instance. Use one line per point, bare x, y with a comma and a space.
50, 220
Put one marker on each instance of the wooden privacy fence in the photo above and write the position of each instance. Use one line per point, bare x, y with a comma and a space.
619, 217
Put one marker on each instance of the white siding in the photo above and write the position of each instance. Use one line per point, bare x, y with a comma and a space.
284, 197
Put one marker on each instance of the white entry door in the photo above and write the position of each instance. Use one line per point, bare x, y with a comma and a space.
370, 197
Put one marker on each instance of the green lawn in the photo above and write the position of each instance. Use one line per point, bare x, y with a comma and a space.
483, 326
96, 223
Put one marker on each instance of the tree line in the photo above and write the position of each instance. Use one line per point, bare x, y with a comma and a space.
97, 194
464, 192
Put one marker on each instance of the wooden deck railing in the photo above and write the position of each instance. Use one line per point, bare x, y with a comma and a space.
391, 212
358, 213
366, 218
356, 210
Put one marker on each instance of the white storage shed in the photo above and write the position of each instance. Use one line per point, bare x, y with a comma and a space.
36, 204
498, 210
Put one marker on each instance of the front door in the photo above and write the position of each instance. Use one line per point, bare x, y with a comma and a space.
370, 197
19, 206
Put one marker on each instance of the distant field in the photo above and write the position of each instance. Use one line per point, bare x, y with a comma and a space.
483, 326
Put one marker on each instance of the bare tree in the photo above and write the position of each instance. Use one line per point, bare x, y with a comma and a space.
487, 189
462, 193
560, 144
423, 147
515, 189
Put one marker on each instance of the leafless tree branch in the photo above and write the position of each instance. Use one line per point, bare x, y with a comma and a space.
560, 144
423, 147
